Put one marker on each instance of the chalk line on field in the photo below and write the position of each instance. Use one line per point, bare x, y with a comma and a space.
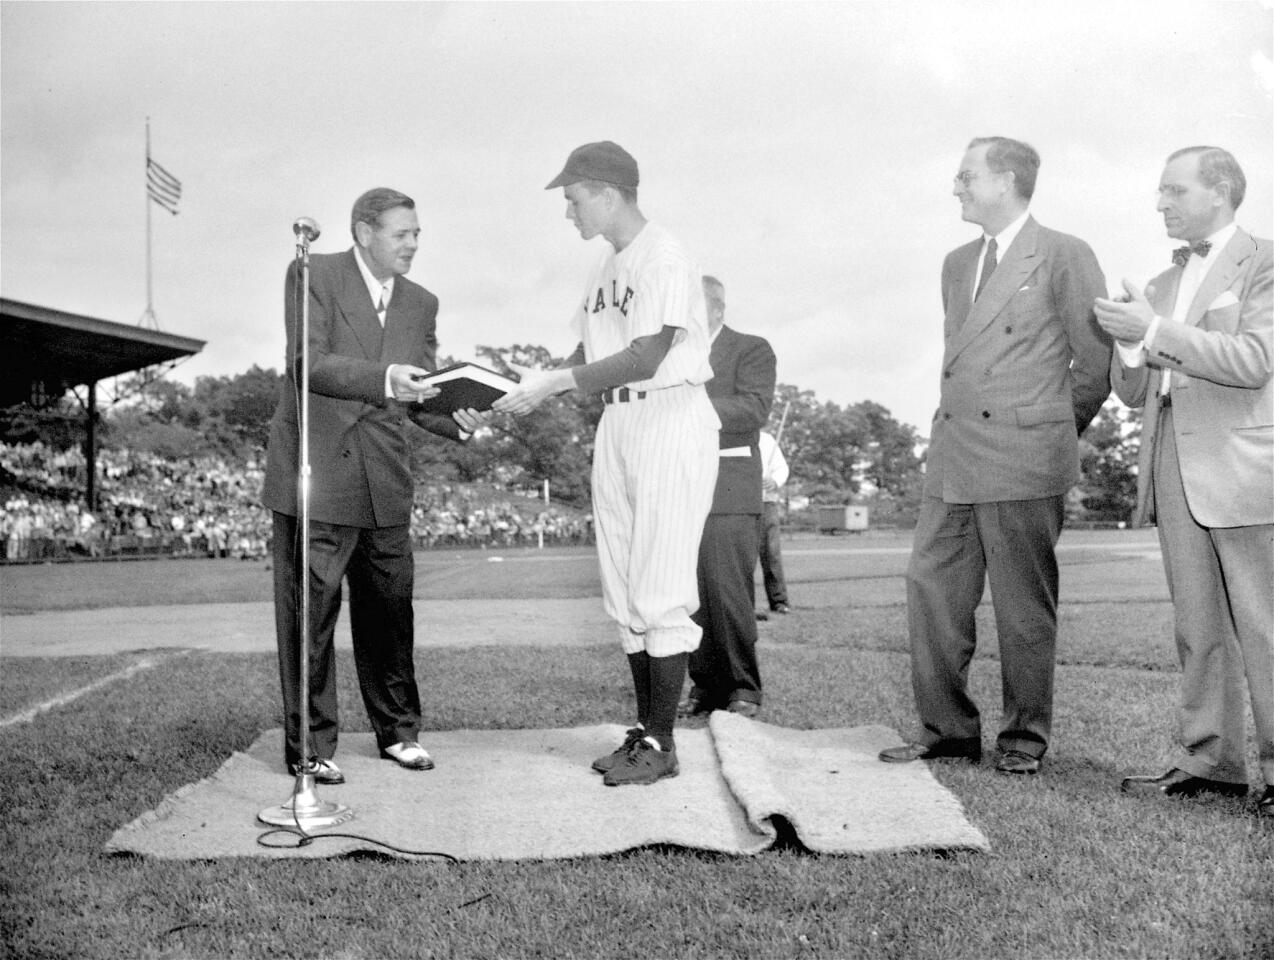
26, 716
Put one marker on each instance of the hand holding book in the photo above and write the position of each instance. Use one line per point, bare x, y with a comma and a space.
461, 386
534, 387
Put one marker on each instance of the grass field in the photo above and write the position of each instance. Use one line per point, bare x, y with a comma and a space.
1075, 869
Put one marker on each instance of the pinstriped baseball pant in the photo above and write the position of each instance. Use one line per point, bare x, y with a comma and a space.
654, 473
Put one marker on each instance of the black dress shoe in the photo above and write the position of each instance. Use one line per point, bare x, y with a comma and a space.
744, 708
1178, 783
965, 749
1265, 806
324, 772
781, 608
1015, 761
762, 615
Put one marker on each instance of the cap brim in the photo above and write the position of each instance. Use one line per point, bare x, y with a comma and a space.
564, 179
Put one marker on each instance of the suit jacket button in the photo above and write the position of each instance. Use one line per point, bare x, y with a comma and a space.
1008, 329
946, 374
986, 413
946, 416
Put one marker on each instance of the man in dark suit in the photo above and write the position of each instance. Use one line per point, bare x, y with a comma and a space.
1025, 369
1196, 349
724, 670
371, 331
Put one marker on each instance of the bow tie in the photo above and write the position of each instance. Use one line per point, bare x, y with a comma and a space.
1182, 254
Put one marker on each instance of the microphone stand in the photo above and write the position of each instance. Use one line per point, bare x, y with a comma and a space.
303, 808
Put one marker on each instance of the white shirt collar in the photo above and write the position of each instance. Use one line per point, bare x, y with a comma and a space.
1004, 239
374, 286
1221, 238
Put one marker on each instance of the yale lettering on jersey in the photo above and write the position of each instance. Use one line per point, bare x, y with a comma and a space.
600, 304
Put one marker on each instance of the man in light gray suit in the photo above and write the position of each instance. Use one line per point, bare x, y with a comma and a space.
1025, 369
1196, 349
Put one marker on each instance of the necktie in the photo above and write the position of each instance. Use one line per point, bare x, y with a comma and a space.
988, 267
1182, 254
380, 307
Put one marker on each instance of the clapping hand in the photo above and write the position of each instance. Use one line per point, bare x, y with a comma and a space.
1126, 318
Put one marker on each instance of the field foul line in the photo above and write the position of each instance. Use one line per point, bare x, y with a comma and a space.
26, 716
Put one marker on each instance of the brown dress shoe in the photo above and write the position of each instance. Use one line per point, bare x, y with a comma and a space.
1015, 761
970, 749
1178, 783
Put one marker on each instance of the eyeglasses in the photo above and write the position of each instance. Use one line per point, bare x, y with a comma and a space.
965, 177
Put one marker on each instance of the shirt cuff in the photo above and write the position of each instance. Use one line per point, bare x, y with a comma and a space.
1134, 355
1131, 355
389, 393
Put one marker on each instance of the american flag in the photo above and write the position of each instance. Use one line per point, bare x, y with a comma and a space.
162, 186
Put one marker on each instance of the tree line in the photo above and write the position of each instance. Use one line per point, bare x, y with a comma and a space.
856, 453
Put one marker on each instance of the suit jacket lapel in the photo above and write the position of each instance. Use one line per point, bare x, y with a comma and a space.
358, 309
1018, 262
1221, 276
960, 296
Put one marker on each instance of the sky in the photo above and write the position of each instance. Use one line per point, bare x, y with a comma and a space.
803, 152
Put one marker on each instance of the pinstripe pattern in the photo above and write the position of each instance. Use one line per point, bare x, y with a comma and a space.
650, 284
655, 459
654, 472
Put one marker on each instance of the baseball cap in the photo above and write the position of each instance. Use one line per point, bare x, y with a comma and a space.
605, 161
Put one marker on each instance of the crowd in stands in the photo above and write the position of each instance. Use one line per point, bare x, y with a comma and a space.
209, 507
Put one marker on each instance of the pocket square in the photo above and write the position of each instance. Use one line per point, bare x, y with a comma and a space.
1226, 299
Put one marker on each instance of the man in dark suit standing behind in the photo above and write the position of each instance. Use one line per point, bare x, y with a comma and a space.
724, 670
1024, 371
371, 331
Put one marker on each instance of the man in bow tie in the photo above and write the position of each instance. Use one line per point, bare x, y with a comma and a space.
1195, 349
1025, 369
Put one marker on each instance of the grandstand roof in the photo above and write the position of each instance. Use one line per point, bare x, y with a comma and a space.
45, 351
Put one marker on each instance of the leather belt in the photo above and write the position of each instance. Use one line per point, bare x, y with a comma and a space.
622, 395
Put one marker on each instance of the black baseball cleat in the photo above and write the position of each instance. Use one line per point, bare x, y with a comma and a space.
642, 766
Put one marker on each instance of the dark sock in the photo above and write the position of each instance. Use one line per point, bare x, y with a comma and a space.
667, 674
639, 663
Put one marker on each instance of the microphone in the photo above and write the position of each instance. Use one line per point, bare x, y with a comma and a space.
307, 230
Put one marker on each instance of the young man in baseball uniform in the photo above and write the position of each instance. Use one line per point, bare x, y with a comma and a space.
643, 344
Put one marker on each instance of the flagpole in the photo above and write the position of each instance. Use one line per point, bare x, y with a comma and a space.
148, 318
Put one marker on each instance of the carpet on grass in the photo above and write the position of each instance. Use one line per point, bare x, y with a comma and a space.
530, 795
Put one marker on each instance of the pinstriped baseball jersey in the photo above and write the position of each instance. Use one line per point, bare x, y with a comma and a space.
650, 284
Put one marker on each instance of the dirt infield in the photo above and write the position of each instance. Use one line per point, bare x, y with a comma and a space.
249, 627
524, 598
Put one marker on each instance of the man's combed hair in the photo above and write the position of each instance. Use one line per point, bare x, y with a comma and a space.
1014, 156
1217, 165
369, 207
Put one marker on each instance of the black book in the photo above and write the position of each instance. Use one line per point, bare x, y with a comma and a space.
464, 386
